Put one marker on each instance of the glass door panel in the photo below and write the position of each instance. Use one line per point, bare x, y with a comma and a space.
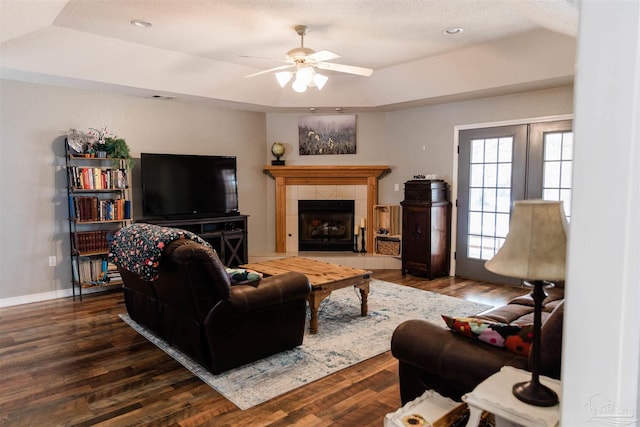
490, 161
497, 166
552, 155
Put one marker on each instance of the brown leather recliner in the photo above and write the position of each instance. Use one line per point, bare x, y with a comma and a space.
432, 357
193, 306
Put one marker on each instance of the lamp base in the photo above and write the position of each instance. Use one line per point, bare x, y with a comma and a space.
535, 394
277, 162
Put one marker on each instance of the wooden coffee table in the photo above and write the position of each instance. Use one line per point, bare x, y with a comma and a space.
324, 279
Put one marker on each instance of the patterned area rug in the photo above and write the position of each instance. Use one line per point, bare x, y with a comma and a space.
344, 338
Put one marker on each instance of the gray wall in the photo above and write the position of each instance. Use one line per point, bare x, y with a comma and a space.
418, 140
33, 210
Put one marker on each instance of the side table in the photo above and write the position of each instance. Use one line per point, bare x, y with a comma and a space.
494, 395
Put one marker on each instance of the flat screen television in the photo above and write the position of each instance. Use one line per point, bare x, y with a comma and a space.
188, 186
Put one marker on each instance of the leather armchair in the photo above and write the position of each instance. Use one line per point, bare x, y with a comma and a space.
193, 306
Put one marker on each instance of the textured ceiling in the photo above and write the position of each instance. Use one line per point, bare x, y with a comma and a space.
195, 48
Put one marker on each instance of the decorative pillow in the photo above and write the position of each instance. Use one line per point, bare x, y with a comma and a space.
240, 276
516, 339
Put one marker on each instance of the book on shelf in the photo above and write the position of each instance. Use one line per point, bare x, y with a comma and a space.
93, 208
95, 271
86, 178
91, 241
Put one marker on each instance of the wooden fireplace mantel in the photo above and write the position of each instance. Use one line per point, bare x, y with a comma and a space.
323, 175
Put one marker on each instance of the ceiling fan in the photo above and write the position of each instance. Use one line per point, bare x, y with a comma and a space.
304, 61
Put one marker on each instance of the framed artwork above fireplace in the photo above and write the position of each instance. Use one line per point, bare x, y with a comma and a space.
321, 135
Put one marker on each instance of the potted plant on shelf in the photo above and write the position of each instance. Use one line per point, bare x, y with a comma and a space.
117, 149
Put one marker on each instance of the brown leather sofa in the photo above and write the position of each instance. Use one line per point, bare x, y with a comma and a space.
193, 306
432, 357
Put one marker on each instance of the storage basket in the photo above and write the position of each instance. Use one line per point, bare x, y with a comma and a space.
387, 246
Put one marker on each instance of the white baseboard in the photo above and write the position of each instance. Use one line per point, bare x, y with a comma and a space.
44, 296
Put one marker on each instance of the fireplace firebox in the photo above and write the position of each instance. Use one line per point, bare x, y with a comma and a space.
325, 225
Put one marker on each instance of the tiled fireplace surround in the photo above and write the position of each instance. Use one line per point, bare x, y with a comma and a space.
358, 183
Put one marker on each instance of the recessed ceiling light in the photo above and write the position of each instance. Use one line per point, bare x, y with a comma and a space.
140, 23
453, 30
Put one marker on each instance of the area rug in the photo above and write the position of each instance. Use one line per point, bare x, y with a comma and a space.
344, 338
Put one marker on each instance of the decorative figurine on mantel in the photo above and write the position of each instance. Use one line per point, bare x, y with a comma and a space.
277, 149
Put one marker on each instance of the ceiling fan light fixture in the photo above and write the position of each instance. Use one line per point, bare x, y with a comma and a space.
304, 75
320, 80
299, 86
283, 77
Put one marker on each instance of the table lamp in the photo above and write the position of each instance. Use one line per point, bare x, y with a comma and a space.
534, 250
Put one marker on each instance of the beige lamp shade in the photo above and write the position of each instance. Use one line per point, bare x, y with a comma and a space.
536, 245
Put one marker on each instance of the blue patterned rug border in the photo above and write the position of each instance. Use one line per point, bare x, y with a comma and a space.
344, 339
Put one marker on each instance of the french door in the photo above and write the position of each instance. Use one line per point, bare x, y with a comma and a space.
500, 165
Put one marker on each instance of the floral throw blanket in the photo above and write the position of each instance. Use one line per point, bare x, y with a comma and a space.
138, 247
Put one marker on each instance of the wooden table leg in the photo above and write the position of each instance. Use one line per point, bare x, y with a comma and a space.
364, 294
314, 299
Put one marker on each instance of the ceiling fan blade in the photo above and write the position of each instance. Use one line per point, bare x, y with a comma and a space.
282, 67
323, 55
361, 71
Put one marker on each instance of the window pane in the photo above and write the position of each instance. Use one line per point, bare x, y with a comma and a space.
490, 175
567, 146
551, 194
489, 200
565, 196
551, 174
477, 172
505, 150
475, 223
488, 248
475, 199
489, 224
477, 151
491, 151
504, 175
473, 247
502, 225
503, 202
552, 146
565, 181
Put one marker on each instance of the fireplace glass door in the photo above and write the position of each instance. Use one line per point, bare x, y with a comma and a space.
325, 225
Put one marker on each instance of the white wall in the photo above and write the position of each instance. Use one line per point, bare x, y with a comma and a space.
33, 209
601, 353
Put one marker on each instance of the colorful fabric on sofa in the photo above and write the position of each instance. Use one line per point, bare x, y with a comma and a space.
515, 338
138, 247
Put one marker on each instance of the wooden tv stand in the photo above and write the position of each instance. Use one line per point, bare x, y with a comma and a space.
226, 234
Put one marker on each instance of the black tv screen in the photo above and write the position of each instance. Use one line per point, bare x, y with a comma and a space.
179, 185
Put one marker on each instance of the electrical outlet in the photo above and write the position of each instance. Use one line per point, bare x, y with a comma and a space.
396, 187
52, 261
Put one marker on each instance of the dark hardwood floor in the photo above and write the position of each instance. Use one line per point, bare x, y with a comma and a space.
72, 363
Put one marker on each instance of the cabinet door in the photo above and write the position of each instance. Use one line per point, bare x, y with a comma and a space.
416, 229
235, 248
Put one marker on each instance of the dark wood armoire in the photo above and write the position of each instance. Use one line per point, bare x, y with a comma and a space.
426, 228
